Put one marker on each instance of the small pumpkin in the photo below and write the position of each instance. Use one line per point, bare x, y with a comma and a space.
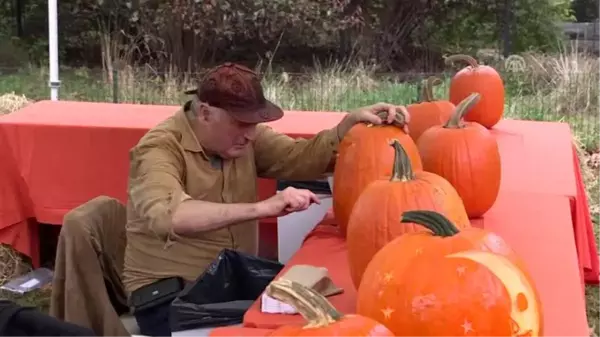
430, 112
482, 79
374, 219
364, 155
466, 154
323, 319
449, 283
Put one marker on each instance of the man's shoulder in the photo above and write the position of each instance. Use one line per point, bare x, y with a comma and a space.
165, 135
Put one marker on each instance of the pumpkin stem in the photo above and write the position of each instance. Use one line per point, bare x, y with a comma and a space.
402, 170
456, 120
436, 222
461, 57
428, 85
398, 120
313, 306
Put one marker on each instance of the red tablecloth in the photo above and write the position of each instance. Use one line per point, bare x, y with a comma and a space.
238, 331
62, 154
58, 155
540, 157
537, 226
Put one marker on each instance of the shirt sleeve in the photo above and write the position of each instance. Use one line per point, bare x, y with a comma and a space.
155, 183
279, 156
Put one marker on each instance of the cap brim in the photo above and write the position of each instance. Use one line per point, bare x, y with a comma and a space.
270, 112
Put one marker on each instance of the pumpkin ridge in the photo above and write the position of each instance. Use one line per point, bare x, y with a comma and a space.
456, 120
434, 221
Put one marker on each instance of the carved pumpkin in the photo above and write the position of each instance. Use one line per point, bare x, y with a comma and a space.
323, 319
467, 155
364, 155
449, 283
430, 112
374, 219
482, 79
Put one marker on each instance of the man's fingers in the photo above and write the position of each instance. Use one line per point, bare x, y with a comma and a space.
314, 199
371, 118
391, 114
404, 111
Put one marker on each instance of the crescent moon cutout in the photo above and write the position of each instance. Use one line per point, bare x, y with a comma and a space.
525, 311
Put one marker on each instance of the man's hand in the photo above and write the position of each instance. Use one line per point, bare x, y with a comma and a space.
369, 114
287, 201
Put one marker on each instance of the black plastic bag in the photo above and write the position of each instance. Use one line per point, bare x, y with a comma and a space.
224, 292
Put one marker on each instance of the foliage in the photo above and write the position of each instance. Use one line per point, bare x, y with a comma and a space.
186, 33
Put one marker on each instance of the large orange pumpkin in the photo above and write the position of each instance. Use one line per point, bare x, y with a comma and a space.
482, 79
364, 155
467, 155
323, 319
374, 219
430, 112
449, 283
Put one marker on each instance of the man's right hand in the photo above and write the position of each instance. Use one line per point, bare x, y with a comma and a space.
287, 201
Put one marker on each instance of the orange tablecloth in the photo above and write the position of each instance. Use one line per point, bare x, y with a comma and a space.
537, 226
61, 154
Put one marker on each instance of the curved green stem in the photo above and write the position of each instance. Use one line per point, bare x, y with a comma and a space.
436, 222
461, 57
428, 85
313, 306
456, 120
402, 170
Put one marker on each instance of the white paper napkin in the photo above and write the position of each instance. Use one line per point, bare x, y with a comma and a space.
272, 306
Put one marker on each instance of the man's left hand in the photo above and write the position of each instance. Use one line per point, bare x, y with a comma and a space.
369, 114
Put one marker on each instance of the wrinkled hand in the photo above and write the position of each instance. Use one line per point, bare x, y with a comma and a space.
288, 201
369, 114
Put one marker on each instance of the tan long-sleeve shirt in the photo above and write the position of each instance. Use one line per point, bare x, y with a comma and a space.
169, 166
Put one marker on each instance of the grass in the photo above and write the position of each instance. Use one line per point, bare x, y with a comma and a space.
552, 88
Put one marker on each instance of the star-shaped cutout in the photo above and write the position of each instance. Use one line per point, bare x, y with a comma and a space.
460, 270
387, 313
387, 277
467, 326
418, 251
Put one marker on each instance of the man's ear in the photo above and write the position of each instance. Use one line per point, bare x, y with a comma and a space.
204, 112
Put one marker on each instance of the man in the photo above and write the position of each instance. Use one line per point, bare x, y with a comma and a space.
192, 184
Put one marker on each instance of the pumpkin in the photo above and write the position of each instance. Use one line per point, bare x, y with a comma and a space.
430, 112
449, 283
482, 79
323, 319
364, 155
466, 154
374, 219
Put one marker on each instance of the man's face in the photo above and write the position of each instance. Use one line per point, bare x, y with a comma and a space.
226, 136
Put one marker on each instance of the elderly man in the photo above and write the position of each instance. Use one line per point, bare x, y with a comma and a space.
192, 184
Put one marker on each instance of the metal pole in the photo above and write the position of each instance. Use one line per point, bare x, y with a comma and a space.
507, 48
54, 82
115, 85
